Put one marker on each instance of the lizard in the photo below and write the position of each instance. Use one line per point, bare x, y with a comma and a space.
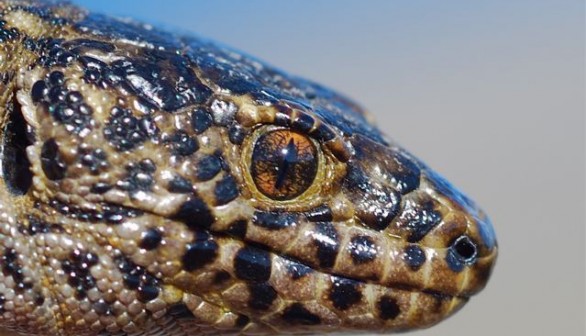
163, 184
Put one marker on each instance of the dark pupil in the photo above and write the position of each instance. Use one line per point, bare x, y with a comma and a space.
284, 164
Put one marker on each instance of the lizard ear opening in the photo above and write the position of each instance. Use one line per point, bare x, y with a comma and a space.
16, 171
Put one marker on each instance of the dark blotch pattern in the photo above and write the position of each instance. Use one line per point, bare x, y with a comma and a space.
418, 219
66, 107
226, 190
208, 167
201, 252
297, 270
376, 204
139, 176
182, 144
51, 161
180, 311
96, 160
201, 120
125, 131
298, 314
388, 308
327, 243
180, 184
11, 267
414, 257
323, 213
150, 239
236, 134
344, 293
362, 249
274, 220
137, 278
262, 295
106, 212
195, 213
252, 264
238, 228
242, 321
77, 267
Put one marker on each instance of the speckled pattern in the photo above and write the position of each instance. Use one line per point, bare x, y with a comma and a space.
130, 201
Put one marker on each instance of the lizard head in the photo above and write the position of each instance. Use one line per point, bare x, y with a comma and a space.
153, 180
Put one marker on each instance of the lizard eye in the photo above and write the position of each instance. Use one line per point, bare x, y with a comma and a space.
284, 164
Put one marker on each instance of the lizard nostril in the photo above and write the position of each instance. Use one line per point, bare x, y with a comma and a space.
15, 164
465, 248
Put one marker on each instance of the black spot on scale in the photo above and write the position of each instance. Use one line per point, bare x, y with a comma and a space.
221, 277
241, 321
252, 264
274, 220
376, 205
262, 295
303, 123
39, 91
179, 184
77, 267
124, 131
180, 311
137, 278
237, 229
182, 144
195, 213
201, 120
322, 213
323, 133
226, 190
327, 243
298, 314
51, 161
101, 307
208, 167
419, 219
96, 160
150, 239
236, 134
8, 34
203, 251
414, 257
297, 270
148, 293
66, 107
38, 226
388, 308
139, 176
344, 293
11, 267
362, 249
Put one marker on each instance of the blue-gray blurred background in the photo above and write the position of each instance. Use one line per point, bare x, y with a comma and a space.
490, 93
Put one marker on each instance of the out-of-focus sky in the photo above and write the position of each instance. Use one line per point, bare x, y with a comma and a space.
490, 93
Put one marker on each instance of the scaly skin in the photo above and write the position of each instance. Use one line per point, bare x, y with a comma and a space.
155, 184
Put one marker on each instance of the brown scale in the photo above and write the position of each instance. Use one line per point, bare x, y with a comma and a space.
149, 189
